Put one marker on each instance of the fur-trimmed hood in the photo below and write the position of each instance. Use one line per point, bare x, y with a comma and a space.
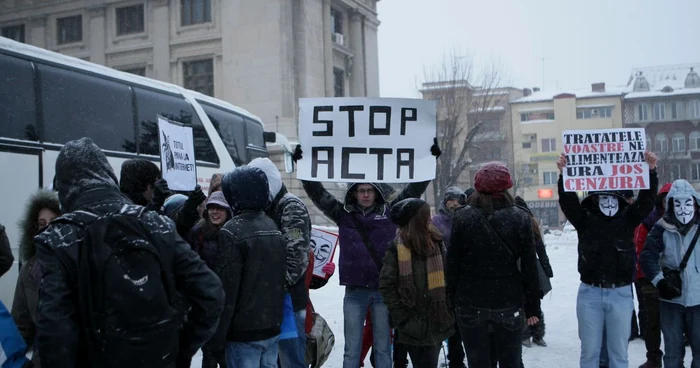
43, 198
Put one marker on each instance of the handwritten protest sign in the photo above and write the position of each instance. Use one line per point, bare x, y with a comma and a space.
323, 243
177, 160
609, 159
365, 139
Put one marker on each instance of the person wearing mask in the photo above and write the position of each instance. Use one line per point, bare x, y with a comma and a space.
365, 232
71, 330
252, 265
412, 283
671, 261
292, 219
204, 239
41, 208
492, 275
649, 303
535, 334
605, 224
453, 199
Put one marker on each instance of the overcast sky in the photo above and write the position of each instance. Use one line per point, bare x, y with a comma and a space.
582, 41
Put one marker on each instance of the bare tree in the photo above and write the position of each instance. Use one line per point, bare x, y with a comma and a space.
465, 97
523, 177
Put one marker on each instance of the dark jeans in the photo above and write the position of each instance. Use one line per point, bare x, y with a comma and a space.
455, 351
673, 317
651, 326
424, 356
212, 358
507, 325
401, 352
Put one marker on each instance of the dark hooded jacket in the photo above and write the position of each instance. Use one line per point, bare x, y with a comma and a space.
443, 219
357, 265
27, 290
252, 262
85, 181
606, 251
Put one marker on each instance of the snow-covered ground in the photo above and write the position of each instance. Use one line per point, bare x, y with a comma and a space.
559, 308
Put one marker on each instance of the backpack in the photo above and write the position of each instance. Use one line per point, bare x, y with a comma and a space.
126, 291
319, 342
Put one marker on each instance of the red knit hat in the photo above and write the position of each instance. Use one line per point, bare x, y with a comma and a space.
666, 188
493, 177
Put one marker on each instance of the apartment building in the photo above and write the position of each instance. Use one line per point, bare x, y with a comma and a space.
538, 120
462, 110
665, 100
262, 55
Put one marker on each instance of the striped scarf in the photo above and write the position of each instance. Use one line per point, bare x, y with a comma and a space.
439, 310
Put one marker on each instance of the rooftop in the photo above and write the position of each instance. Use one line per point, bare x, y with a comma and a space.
665, 80
543, 96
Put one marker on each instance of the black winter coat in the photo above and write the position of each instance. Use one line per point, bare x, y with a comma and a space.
606, 250
85, 181
252, 252
481, 273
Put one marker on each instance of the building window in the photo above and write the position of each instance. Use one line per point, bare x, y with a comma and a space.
339, 82
199, 76
530, 116
69, 29
677, 172
677, 110
660, 111
493, 154
549, 145
678, 142
336, 22
648, 142
136, 71
642, 112
594, 113
527, 145
695, 171
661, 143
695, 108
130, 19
549, 178
524, 117
195, 12
13, 32
695, 140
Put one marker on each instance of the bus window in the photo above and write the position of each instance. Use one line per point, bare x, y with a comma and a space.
150, 104
254, 133
231, 128
77, 105
17, 99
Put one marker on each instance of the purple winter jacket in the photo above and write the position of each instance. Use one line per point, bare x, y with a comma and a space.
356, 266
443, 219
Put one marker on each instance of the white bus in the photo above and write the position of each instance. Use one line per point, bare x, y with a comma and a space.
48, 99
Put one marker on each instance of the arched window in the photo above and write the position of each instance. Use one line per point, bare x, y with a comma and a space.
648, 142
678, 142
661, 143
695, 140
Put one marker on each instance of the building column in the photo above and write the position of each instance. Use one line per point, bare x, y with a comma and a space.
328, 48
161, 40
36, 34
357, 82
98, 34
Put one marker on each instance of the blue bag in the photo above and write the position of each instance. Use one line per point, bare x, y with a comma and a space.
12, 345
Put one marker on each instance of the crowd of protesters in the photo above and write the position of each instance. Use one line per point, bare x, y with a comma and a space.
126, 272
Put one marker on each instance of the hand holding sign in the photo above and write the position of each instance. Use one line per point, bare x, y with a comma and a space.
561, 162
651, 159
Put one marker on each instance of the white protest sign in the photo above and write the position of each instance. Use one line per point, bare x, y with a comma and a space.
323, 243
366, 139
177, 161
608, 159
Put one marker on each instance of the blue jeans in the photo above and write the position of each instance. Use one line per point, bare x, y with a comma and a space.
673, 317
254, 354
293, 351
355, 304
597, 308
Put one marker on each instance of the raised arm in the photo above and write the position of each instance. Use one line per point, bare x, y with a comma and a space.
568, 201
412, 190
647, 197
326, 202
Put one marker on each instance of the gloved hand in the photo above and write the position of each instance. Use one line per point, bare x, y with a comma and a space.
435, 149
296, 156
194, 200
667, 290
160, 192
329, 268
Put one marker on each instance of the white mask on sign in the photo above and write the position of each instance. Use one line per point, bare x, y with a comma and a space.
608, 204
684, 209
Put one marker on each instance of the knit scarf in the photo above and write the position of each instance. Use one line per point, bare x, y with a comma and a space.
439, 310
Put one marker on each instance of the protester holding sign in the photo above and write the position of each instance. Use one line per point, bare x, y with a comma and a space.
605, 223
365, 232
671, 260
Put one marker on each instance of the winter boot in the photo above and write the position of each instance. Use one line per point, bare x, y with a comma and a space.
527, 342
539, 342
651, 364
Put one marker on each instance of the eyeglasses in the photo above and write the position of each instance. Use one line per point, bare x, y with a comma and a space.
365, 191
